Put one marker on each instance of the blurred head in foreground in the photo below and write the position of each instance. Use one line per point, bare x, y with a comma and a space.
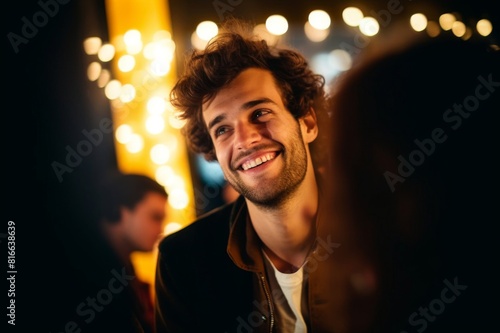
133, 208
413, 179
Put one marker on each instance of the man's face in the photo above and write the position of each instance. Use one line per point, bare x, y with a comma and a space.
142, 225
261, 148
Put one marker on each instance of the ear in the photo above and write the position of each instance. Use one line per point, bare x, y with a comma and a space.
309, 126
124, 214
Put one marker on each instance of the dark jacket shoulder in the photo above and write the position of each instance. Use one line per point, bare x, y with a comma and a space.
208, 231
196, 276
201, 247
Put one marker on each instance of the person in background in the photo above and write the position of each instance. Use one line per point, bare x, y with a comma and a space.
413, 174
132, 211
253, 265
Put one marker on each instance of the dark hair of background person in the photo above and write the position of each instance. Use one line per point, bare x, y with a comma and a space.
125, 190
233, 50
428, 113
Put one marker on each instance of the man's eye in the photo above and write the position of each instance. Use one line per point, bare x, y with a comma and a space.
260, 113
220, 130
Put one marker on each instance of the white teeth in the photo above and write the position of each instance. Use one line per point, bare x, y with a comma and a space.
257, 161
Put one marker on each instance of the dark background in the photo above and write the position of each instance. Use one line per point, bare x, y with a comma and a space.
48, 102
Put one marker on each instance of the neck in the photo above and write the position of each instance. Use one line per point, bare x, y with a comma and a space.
288, 231
117, 243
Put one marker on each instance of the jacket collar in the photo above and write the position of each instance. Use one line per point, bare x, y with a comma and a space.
244, 244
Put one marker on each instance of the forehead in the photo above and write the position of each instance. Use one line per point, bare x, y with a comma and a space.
250, 84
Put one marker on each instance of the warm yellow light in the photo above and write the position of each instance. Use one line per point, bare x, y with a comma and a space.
197, 42
484, 27
135, 144
315, 35
319, 19
160, 154
156, 105
418, 22
134, 48
352, 16
119, 44
118, 107
106, 52
171, 141
142, 29
467, 34
160, 67
133, 42
178, 199
446, 21
91, 45
458, 28
206, 30
340, 60
94, 70
277, 25
160, 49
132, 36
149, 50
171, 228
161, 35
123, 133
104, 78
174, 182
166, 49
163, 174
261, 31
126, 63
175, 122
127, 93
369, 26
433, 29
113, 89
155, 124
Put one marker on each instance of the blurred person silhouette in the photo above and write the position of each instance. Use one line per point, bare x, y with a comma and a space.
413, 176
132, 208
250, 265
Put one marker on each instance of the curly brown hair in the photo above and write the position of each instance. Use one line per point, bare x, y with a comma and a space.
233, 50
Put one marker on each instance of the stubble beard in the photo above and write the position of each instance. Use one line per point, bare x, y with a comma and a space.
276, 193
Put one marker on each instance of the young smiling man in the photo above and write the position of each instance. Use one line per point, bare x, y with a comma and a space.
243, 267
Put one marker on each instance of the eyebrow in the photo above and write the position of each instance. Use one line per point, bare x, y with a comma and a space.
245, 106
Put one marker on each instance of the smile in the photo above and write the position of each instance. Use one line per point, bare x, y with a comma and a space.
258, 161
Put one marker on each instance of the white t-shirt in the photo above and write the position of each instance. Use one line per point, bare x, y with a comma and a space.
292, 286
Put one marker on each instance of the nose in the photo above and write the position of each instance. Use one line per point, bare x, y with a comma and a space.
246, 135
